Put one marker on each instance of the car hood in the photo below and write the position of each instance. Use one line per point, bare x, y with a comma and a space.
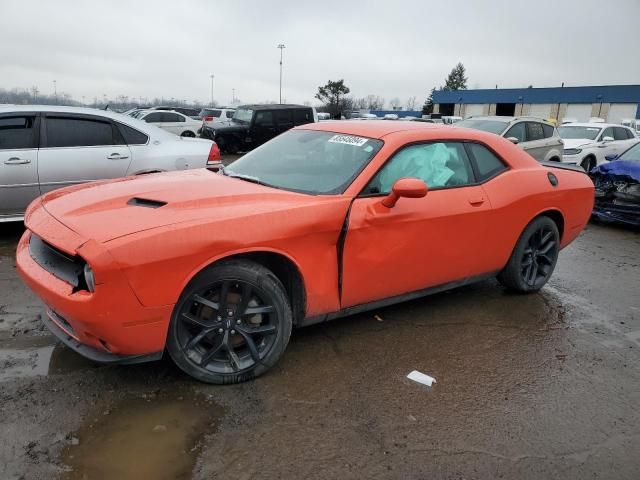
619, 168
228, 126
576, 143
106, 210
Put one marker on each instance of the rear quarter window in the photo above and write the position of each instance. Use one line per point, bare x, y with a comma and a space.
487, 163
132, 136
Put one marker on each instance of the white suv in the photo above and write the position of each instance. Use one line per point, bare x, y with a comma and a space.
213, 115
588, 144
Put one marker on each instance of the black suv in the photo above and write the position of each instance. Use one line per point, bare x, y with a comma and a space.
252, 125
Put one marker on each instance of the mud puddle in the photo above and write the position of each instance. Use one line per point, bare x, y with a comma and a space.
157, 436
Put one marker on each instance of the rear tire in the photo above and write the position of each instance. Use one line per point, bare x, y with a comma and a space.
188, 134
534, 257
232, 323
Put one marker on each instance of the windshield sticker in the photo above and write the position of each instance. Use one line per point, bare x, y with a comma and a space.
348, 140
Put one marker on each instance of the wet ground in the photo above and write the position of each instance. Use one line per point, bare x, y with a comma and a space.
538, 386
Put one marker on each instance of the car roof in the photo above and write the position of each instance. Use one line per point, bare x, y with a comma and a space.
592, 124
369, 129
508, 119
148, 129
275, 106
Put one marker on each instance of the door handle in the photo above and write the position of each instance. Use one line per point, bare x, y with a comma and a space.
117, 156
477, 200
16, 161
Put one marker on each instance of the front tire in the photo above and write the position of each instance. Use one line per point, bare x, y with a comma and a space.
188, 134
588, 163
232, 323
534, 257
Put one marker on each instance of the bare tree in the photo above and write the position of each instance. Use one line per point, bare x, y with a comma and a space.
411, 103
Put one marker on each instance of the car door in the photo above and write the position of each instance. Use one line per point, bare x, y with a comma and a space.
607, 147
263, 127
420, 242
19, 136
173, 122
536, 144
623, 139
79, 148
283, 120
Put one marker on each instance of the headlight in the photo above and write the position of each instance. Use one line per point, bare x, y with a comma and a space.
89, 278
571, 151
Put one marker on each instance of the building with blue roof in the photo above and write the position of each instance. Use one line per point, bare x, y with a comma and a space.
613, 103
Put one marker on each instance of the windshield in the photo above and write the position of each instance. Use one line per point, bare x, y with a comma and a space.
568, 132
243, 115
633, 154
491, 126
308, 161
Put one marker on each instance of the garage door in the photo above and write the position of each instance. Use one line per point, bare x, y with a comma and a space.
621, 111
581, 112
473, 110
542, 110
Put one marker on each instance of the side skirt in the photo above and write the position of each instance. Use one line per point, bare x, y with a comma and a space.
385, 302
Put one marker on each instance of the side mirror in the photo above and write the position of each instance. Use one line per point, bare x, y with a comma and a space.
611, 158
607, 139
405, 187
513, 140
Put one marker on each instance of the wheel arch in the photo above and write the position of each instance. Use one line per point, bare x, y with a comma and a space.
286, 270
555, 215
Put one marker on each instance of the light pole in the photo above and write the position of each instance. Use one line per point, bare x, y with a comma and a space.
212, 76
55, 91
281, 47
233, 95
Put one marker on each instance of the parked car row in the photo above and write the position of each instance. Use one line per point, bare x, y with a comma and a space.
583, 144
46, 147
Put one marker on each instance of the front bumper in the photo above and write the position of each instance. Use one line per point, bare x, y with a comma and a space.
56, 325
109, 324
609, 212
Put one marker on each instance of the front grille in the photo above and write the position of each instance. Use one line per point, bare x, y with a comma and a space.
59, 264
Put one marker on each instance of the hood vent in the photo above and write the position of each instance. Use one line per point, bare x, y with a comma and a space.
145, 202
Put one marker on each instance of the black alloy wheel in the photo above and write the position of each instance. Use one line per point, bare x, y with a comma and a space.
231, 324
534, 257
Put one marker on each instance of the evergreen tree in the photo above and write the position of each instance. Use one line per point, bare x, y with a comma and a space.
427, 108
456, 79
332, 95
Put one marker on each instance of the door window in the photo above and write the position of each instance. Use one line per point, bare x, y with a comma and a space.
518, 131
17, 133
439, 165
548, 130
487, 164
534, 131
78, 132
264, 119
302, 116
170, 117
154, 117
284, 118
608, 132
620, 133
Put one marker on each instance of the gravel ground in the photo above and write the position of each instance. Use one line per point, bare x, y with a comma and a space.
538, 386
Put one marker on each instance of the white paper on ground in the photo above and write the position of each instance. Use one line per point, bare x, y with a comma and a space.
416, 376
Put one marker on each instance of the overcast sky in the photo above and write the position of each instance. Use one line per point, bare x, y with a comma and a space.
168, 48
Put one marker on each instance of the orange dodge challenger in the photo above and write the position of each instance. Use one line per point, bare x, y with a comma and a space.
323, 221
